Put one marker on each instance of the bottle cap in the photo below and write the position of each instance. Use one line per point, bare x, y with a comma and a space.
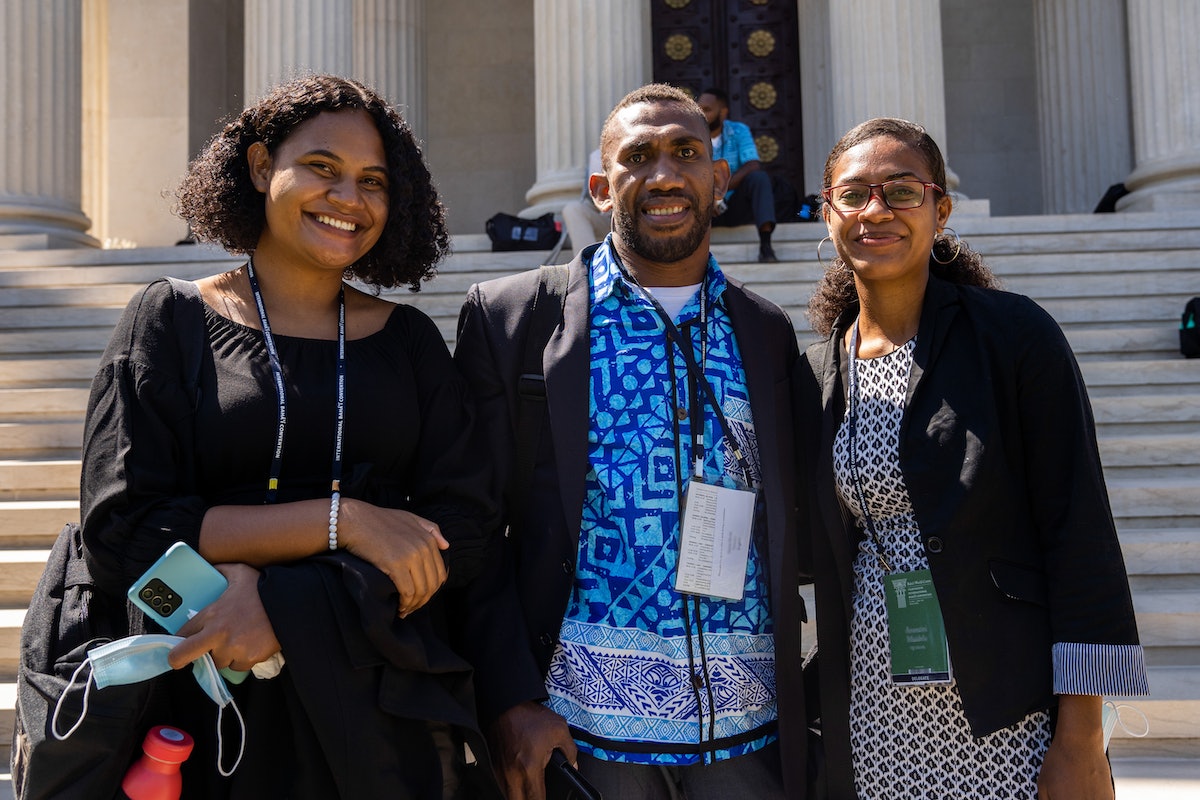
168, 744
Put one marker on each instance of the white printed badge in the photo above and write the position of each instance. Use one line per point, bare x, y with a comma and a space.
715, 541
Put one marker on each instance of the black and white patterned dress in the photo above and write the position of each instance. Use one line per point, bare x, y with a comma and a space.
910, 741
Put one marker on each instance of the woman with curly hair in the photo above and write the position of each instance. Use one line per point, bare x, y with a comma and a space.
972, 601
322, 465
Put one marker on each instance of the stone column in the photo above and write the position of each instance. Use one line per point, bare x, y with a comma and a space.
1083, 101
886, 61
816, 98
389, 54
1165, 76
41, 56
588, 55
288, 37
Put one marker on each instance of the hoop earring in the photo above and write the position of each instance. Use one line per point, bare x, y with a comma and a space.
947, 239
820, 260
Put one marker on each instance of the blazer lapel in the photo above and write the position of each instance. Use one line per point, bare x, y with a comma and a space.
838, 525
758, 354
565, 364
937, 312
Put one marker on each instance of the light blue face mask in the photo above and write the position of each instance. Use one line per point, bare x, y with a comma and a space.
139, 658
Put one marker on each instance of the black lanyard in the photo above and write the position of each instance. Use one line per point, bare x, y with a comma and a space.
281, 390
855, 476
695, 407
697, 374
695, 370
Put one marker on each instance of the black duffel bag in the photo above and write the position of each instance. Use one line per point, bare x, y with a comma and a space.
514, 233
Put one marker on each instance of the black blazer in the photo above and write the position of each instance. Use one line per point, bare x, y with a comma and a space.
998, 450
514, 619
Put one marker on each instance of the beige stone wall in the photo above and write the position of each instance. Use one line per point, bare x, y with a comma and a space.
991, 103
480, 100
141, 121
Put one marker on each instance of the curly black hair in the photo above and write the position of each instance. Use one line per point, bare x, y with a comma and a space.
949, 258
220, 202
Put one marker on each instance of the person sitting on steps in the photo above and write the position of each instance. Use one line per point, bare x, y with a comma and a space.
750, 198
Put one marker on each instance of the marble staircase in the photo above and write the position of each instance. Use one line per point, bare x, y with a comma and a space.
1117, 284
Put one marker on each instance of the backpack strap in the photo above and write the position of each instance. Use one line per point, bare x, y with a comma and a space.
189, 327
545, 315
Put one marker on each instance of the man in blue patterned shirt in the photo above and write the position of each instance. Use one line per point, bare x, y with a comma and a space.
642, 614
750, 197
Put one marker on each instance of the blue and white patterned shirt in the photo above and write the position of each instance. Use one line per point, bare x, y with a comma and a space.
622, 674
736, 146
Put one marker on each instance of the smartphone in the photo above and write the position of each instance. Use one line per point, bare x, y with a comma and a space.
176, 588
563, 782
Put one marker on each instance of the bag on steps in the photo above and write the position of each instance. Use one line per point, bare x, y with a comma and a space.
514, 233
1189, 333
66, 618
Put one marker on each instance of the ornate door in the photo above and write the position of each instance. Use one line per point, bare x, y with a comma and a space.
750, 49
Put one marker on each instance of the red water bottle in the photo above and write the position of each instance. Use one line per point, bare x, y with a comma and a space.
155, 776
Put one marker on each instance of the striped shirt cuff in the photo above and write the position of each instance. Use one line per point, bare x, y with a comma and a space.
1101, 669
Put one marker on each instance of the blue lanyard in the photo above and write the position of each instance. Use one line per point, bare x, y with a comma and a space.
281, 390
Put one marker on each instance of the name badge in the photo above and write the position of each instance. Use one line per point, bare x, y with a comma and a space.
920, 652
715, 540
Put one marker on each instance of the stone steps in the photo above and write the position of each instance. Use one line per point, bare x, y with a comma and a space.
1171, 711
34, 523
49, 369
1162, 559
1115, 282
40, 479
1141, 378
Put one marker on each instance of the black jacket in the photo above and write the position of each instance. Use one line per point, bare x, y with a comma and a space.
519, 607
998, 451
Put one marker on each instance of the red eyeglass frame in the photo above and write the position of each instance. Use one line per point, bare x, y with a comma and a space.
871, 187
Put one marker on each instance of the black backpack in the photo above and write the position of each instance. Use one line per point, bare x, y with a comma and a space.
67, 616
1189, 334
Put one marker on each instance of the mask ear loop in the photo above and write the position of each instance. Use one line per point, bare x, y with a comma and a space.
87, 691
1113, 718
221, 741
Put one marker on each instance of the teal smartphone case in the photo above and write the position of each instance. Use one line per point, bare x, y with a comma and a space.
176, 587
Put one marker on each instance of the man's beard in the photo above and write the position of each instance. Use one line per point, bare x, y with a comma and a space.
659, 248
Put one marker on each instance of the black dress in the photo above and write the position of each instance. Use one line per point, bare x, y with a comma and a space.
347, 716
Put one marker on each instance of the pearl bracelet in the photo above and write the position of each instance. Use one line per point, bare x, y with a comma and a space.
334, 501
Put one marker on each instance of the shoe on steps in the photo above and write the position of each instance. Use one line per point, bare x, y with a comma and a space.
766, 254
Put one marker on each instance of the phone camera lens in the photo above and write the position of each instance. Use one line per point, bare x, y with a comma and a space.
156, 601
147, 593
166, 609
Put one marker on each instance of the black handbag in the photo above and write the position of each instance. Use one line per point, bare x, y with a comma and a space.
1189, 334
514, 233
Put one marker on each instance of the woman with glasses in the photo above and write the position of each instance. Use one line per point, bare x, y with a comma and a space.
972, 602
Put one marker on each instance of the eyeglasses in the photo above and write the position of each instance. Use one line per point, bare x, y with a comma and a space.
896, 194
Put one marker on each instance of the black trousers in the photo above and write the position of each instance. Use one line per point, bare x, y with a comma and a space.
753, 201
